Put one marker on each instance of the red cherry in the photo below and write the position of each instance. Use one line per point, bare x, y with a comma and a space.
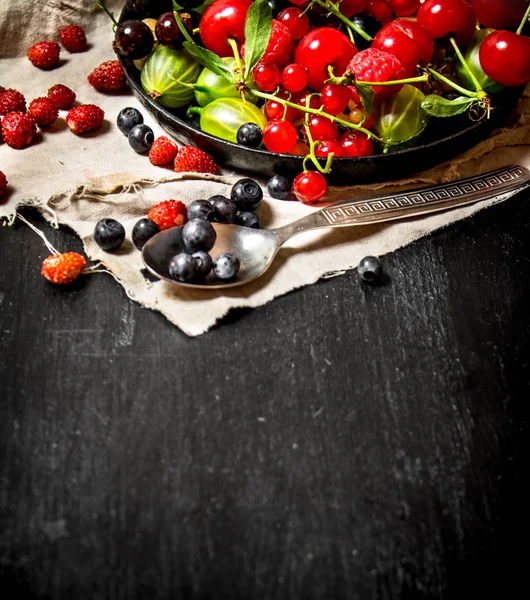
309, 187
352, 7
404, 8
443, 17
335, 98
356, 143
322, 128
322, 48
499, 14
224, 19
505, 57
421, 37
296, 22
327, 147
279, 136
395, 41
381, 10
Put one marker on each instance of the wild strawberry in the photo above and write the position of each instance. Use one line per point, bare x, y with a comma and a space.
168, 213
3, 184
18, 129
63, 268
194, 160
163, 151
108, 77
73, 38
11, 100
85, 117
44, 55
63, 96
44, 111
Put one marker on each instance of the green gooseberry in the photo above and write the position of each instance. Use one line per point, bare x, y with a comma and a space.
210, 86
471, 56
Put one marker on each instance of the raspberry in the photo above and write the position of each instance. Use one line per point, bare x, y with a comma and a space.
63, 96
168, 213
163, 151
44, 111
377, 66
11, 100
194, 160
3, 184
73, 38
44, 55
18, 129
85, 117
63, 268
280, 48
108, 77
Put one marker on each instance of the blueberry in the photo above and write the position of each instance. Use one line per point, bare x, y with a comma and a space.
109, 234
248, 219
204, 263
224, 209
246, 194
143, 231
226, 266
249, 135
198, 235
201, 209
279, 187
141, 138
128, 118
183, 267
370, 269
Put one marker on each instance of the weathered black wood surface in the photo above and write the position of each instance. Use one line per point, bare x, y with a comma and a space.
342, 442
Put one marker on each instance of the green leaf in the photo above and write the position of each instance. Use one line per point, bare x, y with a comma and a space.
366, 94
210, 60
258, 27
442, 107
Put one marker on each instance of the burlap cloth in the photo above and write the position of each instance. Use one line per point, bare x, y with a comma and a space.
78, 180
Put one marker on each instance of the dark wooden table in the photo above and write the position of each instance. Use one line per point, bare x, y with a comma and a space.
342, 442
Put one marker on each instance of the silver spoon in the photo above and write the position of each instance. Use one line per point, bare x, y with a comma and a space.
256, 248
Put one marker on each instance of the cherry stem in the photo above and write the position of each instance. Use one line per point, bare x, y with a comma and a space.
314, 111
332, 8
523, 22
101, 4
233, 44
477, 85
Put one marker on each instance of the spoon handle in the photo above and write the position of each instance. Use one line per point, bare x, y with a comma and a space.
500, 184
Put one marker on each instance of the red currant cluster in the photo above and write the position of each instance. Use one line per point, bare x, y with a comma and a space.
347, 78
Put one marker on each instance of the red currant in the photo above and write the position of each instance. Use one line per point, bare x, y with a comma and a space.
499, 14
301, 99
322, 128
356, 143
266, 76
327, 147
279, 136
321, 49
443, 17
296, 22
294, 77
404, 8
335, 98
309, 187
273, 109
505, 57
381, 10
222, 20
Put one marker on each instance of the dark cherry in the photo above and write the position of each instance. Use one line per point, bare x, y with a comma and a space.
167, 31
369, 24
133, 39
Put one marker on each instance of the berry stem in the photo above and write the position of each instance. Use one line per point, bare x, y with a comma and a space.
39, 233
313, 157
332, 8
523, 22
420, 79
101, 4
465, 65
479, 95
240, 66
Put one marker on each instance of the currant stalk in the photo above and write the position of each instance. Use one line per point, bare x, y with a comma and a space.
332, 8
523, 21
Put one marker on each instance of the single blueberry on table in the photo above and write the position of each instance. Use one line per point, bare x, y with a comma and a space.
198, 235
279, 187
109, 234
141, 138
204, 263
370, 269
128, 118
246, 194
248, 219
249, 135
224, 209
183, 267
226, 266
201, 209
143, 231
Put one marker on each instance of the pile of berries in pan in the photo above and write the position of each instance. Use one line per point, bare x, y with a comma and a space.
326, 80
